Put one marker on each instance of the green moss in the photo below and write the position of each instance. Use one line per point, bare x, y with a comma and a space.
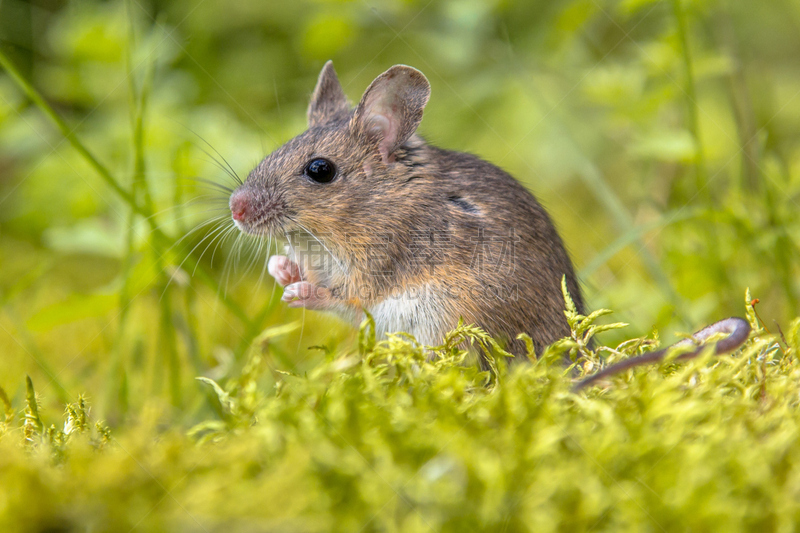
388, 439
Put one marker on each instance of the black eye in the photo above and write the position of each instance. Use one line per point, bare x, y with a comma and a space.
320, 170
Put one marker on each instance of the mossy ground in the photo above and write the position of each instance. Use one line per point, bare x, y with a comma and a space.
386, 439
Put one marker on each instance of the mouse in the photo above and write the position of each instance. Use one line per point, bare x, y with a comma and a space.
377, 219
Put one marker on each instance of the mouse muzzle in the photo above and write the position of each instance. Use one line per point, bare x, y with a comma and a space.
240, 206
255, 211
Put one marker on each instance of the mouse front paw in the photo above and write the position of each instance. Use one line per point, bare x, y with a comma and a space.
284, 270
309, 296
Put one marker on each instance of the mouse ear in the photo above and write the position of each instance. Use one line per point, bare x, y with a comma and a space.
391, 108
328, 101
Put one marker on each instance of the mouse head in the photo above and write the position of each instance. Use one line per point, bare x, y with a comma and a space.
339, 175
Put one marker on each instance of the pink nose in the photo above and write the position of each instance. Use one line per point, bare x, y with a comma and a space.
240, 205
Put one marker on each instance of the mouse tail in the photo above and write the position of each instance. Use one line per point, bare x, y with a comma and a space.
738, 331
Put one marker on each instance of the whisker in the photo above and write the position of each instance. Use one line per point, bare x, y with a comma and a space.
266, 262
302, 330
215, 220
208, 202
180, 266
231, 230
334, 257
247, 248
212, 159
259, 246
232, 172
206, 181
219, 220
229, 170
232, 260
198, 200
289, 243
294, 257
212, 210
217, 233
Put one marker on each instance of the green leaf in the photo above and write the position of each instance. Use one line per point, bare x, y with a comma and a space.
666, 145
7, 407
366, 335
89, 236
228, 404
33, 424
76, 307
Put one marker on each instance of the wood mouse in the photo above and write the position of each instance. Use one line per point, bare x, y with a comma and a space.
377, 219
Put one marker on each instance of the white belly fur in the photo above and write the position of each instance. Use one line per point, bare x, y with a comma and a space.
418, 312
421, 311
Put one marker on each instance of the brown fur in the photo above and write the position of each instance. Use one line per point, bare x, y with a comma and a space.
403, 215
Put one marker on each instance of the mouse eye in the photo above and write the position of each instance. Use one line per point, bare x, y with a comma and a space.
320, 170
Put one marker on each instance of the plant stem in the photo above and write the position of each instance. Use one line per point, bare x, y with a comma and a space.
161, 239
65, 130
701, 174
691, 98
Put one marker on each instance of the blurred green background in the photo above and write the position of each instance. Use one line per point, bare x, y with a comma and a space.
662, 136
